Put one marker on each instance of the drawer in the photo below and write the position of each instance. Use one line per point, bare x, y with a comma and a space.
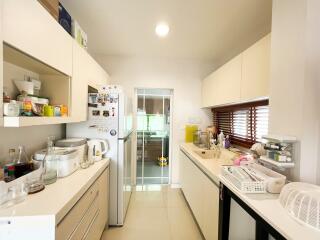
70, 222
86, 220
93, 232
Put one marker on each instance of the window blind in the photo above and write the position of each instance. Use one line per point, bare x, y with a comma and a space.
244, 123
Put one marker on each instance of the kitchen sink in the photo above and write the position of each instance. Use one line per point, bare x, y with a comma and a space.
206, 154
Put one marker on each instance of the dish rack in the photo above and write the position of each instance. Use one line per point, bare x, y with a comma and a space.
302, 201
254, 178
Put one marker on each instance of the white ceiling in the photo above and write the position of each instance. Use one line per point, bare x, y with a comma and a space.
199, 29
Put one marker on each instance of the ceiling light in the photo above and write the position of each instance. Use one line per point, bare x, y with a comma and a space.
162, 29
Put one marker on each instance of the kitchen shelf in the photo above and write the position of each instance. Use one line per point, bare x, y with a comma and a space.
276, 163
34, 121
280, 138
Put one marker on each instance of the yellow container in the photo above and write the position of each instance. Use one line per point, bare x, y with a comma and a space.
190, 129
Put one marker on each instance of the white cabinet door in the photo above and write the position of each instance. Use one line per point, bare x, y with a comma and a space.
256, 70
229, 80
211, 210
28, 27
79, 86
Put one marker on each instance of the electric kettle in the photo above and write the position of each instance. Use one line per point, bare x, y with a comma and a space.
96, 149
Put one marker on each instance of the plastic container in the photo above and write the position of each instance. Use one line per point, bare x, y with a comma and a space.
189, 130
79, 144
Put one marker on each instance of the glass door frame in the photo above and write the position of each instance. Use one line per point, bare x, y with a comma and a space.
135, 144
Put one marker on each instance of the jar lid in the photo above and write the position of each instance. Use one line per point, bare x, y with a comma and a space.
71, 142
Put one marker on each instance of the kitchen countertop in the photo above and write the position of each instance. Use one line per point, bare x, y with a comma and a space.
265, 205
58, 198
210, 166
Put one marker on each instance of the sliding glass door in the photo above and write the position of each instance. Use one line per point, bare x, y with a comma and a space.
153, 136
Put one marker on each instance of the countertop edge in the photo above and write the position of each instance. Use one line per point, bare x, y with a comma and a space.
65, 209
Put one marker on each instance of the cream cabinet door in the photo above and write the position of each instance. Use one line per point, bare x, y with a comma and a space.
1, 65
210, 88
256, 70
103, 183
28, 27
98, 76
228, 79
192, 187
79, 84
211, 210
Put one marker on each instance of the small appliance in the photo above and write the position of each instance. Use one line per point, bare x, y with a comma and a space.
96, 149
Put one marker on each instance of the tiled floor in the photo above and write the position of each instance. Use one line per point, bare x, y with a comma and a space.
156, 213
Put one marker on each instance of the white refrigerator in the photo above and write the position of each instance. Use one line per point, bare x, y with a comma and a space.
110, 118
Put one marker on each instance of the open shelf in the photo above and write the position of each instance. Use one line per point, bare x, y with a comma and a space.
34, 121
276, 163
55, 86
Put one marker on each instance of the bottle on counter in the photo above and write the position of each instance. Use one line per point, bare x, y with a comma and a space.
23, 165
221, 139
50, 168
9, 167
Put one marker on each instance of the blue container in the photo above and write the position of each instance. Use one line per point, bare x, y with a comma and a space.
65, 19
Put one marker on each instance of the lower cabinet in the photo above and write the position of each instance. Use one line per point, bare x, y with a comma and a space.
89, 216
202, 196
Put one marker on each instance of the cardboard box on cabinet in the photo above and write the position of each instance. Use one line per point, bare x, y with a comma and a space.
52, 6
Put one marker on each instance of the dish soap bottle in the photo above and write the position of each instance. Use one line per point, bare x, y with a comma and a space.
221, 139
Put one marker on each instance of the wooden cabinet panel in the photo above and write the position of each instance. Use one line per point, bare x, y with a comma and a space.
71, 221
103, 183
79, 86
28, 27
256, 70
89, 216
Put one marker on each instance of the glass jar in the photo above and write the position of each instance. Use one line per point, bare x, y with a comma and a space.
50, 163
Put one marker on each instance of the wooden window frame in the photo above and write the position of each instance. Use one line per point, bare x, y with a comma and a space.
251, 107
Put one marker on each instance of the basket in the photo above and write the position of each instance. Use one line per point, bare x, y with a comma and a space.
237, 176
302, 201
254, 178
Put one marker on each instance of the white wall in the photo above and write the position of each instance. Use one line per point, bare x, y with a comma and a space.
33, 138
183, 76
294, 83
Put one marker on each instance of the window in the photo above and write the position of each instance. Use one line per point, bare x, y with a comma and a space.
244, 123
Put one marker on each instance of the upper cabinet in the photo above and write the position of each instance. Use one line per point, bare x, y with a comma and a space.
36, 53
228, 82
244, 78
223, 85
256, 70
98, 77
28, 27
80, 81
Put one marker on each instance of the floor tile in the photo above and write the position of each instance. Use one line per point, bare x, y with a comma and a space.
156, 213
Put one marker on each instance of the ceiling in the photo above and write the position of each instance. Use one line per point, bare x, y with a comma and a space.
199, 29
